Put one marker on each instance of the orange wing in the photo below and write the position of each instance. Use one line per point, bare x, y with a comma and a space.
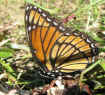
55, 47
72, 52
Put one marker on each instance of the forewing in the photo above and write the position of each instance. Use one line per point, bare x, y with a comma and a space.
42, 32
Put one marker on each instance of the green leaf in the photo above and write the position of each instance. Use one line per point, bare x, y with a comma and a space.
9, 70
102, 27
102, 49
95, 37
6, 52
91, 67
102, 64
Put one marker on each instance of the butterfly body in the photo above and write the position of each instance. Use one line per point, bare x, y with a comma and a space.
56, 49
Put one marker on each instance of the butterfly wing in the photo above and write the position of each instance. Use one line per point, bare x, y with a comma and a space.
53, 46
42, 34
73, 52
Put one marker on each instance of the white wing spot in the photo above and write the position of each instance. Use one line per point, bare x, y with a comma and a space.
29, 28
55, 23
93, 59
48, 73
40, 10
26, 17
56, 71
34, 51
88, 40
92, 45
34, 27
76, 34
83, 36
67, 34
61, 28
43, 14
48, 19
52, 75
35, 7
27, 8
60, 73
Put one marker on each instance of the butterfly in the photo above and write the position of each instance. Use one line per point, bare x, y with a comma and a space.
58, 50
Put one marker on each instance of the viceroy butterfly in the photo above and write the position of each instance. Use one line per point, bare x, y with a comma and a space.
57, 50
